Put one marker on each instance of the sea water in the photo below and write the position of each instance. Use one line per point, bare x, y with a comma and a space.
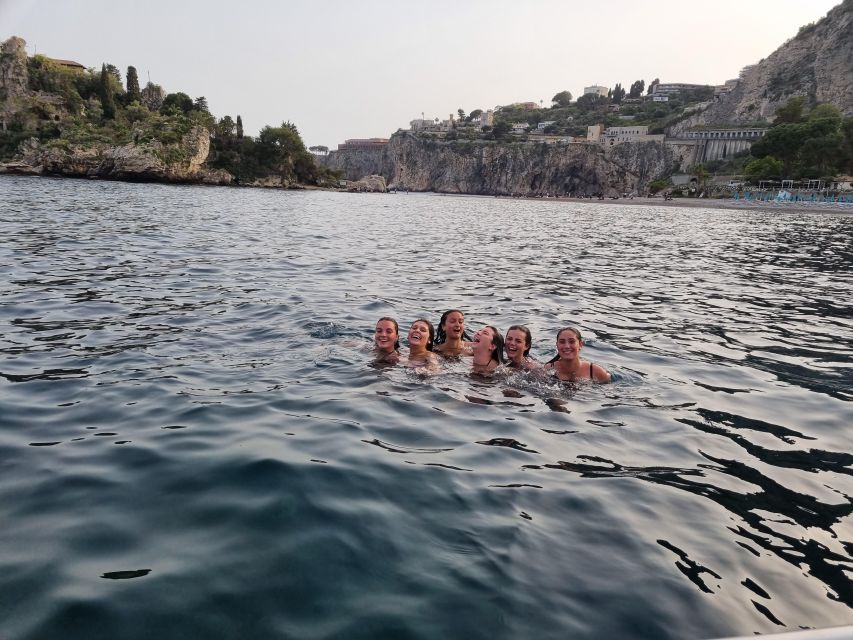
194, 442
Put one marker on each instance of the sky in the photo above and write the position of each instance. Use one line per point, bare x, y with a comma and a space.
341, 69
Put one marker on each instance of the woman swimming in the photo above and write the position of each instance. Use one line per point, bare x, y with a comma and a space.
450, 339
567, 364
517, 346
421, 336
487, 348
386, 341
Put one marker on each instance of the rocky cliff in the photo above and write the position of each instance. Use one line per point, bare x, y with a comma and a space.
182, 162
418, 164
817, 63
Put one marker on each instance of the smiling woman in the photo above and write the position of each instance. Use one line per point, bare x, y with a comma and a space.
421, 336
567, 364
386, 340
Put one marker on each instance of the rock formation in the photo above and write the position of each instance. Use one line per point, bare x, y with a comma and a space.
817, 63
183, 162
371, 183
13, 76
417, 164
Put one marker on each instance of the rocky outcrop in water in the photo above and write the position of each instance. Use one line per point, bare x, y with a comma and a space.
412, 163
182, 162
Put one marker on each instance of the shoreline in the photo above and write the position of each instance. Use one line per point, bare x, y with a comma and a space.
727, 203
643, 201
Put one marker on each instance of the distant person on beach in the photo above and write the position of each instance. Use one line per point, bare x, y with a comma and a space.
450, 338
386, 341
517, 347
487, 349
567, 364
421, 357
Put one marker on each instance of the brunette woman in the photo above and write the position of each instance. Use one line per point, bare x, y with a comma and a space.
567, 364
386, 341
487, 348
421, 336
450, 338
517, 346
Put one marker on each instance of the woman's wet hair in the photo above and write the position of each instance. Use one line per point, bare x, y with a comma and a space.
440, 334
430, 342
528, 338
560, 332
498, 341
396, 330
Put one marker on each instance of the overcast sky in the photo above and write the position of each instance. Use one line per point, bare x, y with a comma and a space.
343, 69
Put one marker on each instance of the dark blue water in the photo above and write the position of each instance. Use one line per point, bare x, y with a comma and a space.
193, 443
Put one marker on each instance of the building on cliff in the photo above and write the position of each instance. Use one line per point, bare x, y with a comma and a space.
637, 133
361, 144
669, 88
71, 65
596, 90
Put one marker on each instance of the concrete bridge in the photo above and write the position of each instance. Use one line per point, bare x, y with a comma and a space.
719, 144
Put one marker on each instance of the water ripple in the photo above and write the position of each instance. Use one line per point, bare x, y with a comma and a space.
194, 442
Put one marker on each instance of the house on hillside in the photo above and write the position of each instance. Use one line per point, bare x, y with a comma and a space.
71, 65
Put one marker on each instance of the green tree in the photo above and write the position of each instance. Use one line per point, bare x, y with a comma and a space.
764, 168
461, 114
590, 102
562, 99
476, 113
108, 103
133, 92
637, 89
699, 172
200, 104
225, 127
239, 127
652, 86
501, 130
618, 94
791, 112
175, 103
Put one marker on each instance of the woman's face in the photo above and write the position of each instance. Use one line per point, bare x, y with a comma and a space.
385, 336
568, 345
515, 345
419, 335
454, 325
484, 341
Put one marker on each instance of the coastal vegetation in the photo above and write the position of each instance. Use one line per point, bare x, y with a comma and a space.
64, 107
804, 144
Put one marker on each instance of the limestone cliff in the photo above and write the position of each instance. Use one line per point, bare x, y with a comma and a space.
182, 162
816, 63
417, 164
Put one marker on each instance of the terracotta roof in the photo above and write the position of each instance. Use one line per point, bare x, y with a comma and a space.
67, 63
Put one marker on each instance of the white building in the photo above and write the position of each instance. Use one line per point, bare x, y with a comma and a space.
636, 133
593, 133
596, 90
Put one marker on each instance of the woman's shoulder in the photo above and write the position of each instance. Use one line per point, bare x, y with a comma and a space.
599, 373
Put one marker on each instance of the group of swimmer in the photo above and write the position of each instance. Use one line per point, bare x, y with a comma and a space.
488, 348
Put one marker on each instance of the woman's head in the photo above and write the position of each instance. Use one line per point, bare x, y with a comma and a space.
451, 325
421, 334
569, 343
490, 338
518, 342
387, 335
